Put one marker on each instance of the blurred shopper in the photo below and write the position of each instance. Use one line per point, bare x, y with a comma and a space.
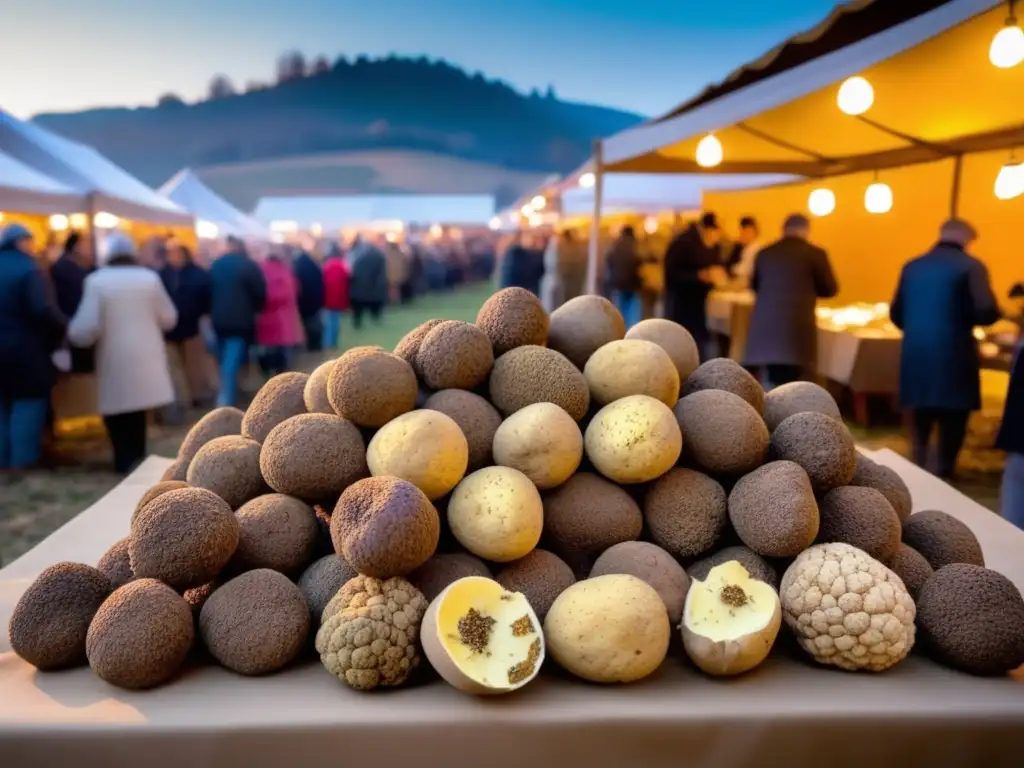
743, 252
311, 298
692, 269
1011, 440
68, 275
368, 284
188, 285
941, 297
565, 270
336, 297
238, 293
522, 265
789, 277
31, 328
279, 326
125, 312
397, 271
622, 273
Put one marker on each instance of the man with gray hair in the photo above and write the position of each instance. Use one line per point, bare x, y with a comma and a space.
940, 299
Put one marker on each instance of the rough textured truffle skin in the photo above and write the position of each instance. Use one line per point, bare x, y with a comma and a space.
862, 518
140, 635
685, 512
722, 433
230, 468
370, 634
183, 538
541, 576
942, 539
531, 374
275, 532
409, 346
160, 488
50, 620
871, 475
442, 570
972, 619
583, 325
313, 456
454, 355
513, 317
116, 563
197, 596
385, 527
477, 419
256, 623
220, 422
910, 565
280, 398
756, 566
652, 564
773, 510
728, 375
321, 581
588, 514
370, 387
798, 397
314, 395
178, 470
674, 339
819, 444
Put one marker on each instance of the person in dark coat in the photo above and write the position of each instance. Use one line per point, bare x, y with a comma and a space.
941, 297
788, 279
31, 329
68, 275
522, 266
622, 273
691, 263
368, 283
311, 298
188, 285
237, 296
743, 253
1011, 440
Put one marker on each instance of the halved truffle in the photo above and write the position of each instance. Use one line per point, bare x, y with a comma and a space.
819, 444
674, 339
541, 576
280, 398
872, 475
370, 387
685, 512
773, 510
315, 393
454, 355
583, 325
756, 566
513, 317
860, 517
942, 539
722, 433
156, 490
116, 563
530, 374
728, 375
651, 564
313, 456
588, 514
798, 397
476, 417
910, 565
230, 468
321, 581
438, 572
275, 532
220, 422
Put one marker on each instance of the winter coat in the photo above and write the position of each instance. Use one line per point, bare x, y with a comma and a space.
31, 328
941, 297
623, 271
1011, 432
521, 268
368, 283
311, 284
789, 278
125, 312
336, 280
189, 289
68, 278
279, 324
238, 293
686, 294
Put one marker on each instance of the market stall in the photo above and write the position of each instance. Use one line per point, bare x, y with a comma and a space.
29, 197
215, 216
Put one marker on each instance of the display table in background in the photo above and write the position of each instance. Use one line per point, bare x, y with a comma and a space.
916, 714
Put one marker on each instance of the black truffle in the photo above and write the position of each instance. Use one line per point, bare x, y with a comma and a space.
116, 563
912, 568
862, 518
588, 514
583, 325
942, 539
650, 564
756, 566
220, 422
321, 581
156, 490
798, 397
454, 355
409, 346
280, 398
685, 512
819, 444
313, 456
370, 387
275, 532
513, 317
177, 470
541, 576
871, 475
314, 395
230, 468
722, 433
729, 376
773, 510
529, 375
477, 419
442, 570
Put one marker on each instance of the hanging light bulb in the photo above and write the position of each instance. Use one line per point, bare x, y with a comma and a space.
856, 96
1010, 181
587, 180
878, 198
709, 151
539, 203
527, 211
58, 222
651, 225
821, 202
1007, 49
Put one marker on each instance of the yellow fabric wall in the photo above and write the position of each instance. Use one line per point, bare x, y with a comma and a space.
867, 250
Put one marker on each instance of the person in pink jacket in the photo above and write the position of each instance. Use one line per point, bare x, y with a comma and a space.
279, 327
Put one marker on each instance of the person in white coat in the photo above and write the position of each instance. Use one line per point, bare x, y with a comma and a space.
124, 313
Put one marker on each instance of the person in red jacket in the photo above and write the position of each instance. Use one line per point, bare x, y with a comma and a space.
336, 301
279, 326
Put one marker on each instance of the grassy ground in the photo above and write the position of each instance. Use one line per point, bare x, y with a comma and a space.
34, 504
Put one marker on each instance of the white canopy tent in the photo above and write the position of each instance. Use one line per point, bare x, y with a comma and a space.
353, 211
188, 190
25, 190
107, 187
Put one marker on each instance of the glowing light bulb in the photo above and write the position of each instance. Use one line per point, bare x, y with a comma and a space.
878, 198
1010, 181
856, 96
104, 220
709, 152
539, 203
527, 211
58, 222
494, 224
78, 221
1007, 50
587, 180
536, 220
821, 202
207, 230
651, 225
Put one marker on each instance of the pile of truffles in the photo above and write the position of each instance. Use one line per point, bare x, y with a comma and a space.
527, 487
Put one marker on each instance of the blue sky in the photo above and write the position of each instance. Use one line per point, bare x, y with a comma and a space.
643, 55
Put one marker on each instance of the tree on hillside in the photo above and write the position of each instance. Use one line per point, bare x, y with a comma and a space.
321, 66
291, 65
255, 86
170, 100
220, 88
551, 95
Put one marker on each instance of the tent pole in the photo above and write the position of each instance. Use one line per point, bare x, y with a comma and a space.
954, 199
90, 212
595, 224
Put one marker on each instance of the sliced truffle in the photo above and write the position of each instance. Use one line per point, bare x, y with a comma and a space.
653, 565
910, 565
116, 563
722, 433
860, 517
798, 397
674, 339
50, 620
583, 325
230, 468
529, 375
454, 355
942, 539
162, 487
313, 456
773, 510
184, 538
756, 566
819, 444
140, 635
588, 514
438, 572
256, 623
513, 317
541, 576
275, 532
315, 393
477, 419
685, 512
321, 581
728, 375
871, 475
385, 527
220, 422
370, 387
409, 346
